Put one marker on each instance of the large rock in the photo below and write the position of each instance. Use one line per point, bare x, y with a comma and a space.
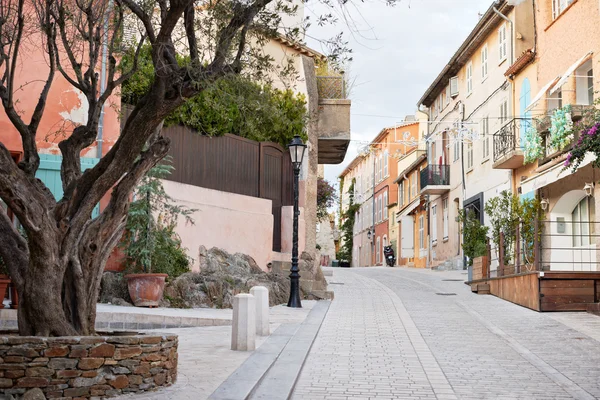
113, 288
221, 277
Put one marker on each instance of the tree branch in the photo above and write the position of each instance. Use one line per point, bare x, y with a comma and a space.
14, 250
143, 16
189, 17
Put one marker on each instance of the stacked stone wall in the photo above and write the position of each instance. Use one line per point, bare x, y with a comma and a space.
88, 366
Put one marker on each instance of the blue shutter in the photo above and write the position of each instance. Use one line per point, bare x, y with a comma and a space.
49, 173
524, 101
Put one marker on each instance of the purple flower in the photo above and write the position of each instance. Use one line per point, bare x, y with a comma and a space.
568, 160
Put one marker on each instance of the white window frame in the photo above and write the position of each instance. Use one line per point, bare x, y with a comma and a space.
503, 112
456, 150
469, 156
469, 78
379, 211
413, 185
559, 6
484, 62
380, 168
448, 96
485, 133
434, 223
384, 205
421, 232
386, 164
502, 44
401, 194
378, 251
445, 216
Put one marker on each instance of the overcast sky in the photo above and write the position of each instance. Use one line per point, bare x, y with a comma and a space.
397, 54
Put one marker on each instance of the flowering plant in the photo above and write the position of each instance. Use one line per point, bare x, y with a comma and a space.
532, 144
561, 129
588, 142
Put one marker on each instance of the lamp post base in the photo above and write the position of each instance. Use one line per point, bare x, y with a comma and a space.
294, 301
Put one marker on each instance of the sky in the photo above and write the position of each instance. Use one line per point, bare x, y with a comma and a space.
397, 53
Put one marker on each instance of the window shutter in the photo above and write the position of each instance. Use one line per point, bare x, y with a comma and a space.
454, 86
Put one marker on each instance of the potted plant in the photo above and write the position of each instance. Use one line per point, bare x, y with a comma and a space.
474, 243
152, 249
4, 282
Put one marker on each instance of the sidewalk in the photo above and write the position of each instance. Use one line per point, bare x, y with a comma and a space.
205, 358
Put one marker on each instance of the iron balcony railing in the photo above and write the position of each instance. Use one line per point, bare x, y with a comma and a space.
435, 175
331, 87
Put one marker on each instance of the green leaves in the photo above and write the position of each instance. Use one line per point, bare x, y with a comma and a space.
475, 235
150, 242
233, 104
345, 252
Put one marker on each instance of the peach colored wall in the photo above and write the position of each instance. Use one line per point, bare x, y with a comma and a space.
232, 222
287, 226
66, 107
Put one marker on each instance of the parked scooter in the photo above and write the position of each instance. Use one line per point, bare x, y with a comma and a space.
390, 258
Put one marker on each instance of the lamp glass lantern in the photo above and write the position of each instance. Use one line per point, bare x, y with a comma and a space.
369, 234
589, 189
544, 204
297, 149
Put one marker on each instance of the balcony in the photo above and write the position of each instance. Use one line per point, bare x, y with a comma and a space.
578, 112
333, 120
507, 147
435, 179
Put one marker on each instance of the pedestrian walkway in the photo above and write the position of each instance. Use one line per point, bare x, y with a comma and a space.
205, 358
395, 333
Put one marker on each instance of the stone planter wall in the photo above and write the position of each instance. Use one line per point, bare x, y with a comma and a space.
88, 366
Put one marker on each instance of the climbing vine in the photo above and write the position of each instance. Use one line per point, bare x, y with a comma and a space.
561, 128
348, 217
532, 145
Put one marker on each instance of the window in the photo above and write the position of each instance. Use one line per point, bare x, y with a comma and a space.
384, 206
454, 86
582, 214
584, 83
504, 111
413, 185
456, 149
447, 98
502, 43
421, 232
378, 250
445, 217
555, 100
470, 155
378, 210
434, 223
380, 168
484, 62
385, 164
558, 6
469, 78
590, 85
401, 194
485, 133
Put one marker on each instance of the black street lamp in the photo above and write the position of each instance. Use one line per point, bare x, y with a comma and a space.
297, 148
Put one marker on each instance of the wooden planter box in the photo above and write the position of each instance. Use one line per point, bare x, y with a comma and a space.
481, 268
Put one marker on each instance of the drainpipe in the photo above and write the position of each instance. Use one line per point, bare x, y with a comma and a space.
104, 61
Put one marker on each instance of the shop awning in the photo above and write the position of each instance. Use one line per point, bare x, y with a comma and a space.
551, 175
569, 72
542, 93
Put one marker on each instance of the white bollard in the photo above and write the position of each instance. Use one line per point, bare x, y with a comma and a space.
261, 297
243, 327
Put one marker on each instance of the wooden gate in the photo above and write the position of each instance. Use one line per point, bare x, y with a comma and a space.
235, 165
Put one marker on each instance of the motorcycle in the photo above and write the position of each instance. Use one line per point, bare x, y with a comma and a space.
390, 258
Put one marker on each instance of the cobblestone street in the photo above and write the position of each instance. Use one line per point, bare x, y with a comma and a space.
405, 333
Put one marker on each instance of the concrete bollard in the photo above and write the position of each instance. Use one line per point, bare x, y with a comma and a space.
261, 297
243, 327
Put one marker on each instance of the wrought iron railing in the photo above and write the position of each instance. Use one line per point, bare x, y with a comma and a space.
507, 139
435, 175
331, 87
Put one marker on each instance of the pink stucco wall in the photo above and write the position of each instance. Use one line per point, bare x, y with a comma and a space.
232, 222
287, 226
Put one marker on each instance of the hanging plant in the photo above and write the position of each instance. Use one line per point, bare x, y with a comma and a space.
562, 133
532, 145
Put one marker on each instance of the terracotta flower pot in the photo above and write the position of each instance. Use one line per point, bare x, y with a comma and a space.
4, 282
146, 290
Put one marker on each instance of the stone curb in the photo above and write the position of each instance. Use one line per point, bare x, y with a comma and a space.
128, 321
272, 370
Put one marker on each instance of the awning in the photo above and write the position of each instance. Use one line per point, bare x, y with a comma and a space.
551, 175
541, 93
410, 208
568, 73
